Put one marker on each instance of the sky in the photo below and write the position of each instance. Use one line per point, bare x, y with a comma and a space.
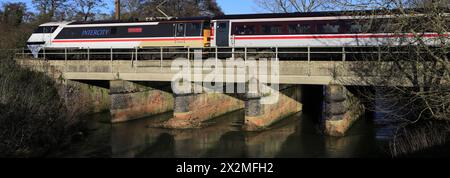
228, 6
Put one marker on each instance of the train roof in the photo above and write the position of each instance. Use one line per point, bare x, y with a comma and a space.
142, 21
318, 14
54, 23
284, 15
257, 16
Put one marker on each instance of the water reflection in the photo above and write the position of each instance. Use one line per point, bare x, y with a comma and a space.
130, 139
140, 139
264, 144
267, 144
297, 136
360, 141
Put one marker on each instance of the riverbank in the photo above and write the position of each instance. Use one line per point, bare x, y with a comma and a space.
36, 116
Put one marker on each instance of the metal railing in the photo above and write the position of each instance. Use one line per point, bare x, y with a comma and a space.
217, 52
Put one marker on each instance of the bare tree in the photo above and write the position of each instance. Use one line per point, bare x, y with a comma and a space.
412, 66
287, 6
50, 9
15, 25
87, 9
384, 4
138, 9
2, 15
132, 9
183, 8
210, 8
13, 14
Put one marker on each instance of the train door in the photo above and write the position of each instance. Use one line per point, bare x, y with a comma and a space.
180, 33
223, 33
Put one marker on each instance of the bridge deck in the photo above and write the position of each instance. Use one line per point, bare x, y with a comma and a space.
290, 72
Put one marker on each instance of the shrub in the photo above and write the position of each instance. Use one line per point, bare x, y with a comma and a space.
32, 115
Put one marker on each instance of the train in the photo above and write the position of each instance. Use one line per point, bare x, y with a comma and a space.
312, 29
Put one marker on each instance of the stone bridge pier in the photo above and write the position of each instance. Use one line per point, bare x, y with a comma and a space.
341, 109
130, 100
191, 108
262, 109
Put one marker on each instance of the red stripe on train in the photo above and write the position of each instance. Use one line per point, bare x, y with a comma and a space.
257, 38
332, 36
126, 40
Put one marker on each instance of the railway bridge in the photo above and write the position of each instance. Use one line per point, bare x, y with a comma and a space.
138, 87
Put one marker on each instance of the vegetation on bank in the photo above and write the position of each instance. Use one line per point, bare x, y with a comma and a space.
34, 119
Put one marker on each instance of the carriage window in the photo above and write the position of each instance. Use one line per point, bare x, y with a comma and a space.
355, 28
245, 30
358, 27
272, 29
299, 29
383, 26
193, 29
329, 28
180, 29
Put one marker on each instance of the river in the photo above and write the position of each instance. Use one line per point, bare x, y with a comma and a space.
298, 136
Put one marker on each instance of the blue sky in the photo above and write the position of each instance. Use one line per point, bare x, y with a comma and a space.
228, 6
238, 6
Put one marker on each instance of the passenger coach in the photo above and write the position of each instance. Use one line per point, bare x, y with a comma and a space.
316, 29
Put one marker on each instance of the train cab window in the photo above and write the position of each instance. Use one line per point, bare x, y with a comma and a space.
180, 29
46, 29
299, 29
193, 29
39, 30
245, 30
272, 29
329, 28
